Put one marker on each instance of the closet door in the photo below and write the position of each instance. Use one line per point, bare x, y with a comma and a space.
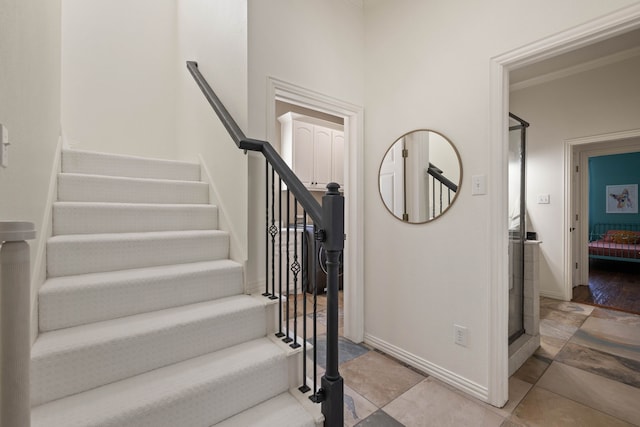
323, 158
303, 149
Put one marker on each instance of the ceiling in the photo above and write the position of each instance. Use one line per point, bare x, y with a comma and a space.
595, 55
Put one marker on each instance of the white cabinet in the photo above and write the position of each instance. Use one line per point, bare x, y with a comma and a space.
313, 149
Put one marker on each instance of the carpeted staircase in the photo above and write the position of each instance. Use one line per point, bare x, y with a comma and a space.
143, 317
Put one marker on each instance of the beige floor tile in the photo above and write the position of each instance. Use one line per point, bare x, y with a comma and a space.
542, 408
605, 395
532, 369
610, 336
618, 316
569, 318
356, 407
518, 389
431, 404
573, 307
378, 378
598, 362
549, 347
556, 329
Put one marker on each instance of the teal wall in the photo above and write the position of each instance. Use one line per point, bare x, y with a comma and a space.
615, 169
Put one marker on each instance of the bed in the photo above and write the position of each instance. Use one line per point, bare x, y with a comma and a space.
617, 242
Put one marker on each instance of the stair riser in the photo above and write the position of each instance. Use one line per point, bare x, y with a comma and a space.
94, 218
70, 371
116, 165
206, 401
67, 258
124, 296
88, 188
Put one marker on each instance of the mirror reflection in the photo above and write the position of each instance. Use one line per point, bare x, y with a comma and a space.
419, 176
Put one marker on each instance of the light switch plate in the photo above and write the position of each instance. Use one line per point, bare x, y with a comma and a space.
478, 185
544, 199
4, 146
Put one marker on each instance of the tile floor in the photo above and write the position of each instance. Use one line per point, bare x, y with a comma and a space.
585, 373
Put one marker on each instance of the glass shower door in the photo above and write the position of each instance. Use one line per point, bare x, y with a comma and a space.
516, 185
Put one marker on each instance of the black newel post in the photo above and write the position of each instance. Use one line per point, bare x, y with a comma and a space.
332, 382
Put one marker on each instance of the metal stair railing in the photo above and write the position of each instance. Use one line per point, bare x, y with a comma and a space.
326, 231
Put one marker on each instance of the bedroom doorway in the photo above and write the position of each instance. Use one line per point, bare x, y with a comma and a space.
602, 279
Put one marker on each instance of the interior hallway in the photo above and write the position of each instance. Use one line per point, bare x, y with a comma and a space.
585, 373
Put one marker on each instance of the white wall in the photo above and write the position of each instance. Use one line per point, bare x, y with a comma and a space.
214, 34
428, 66
118, 76
317, 45
30, 108
595, 102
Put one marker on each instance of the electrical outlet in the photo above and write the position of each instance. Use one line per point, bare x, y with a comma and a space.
543, 199
460, 335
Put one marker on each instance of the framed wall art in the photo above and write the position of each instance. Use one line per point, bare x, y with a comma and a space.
622, 198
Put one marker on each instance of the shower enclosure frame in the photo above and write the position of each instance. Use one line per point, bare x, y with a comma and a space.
521, 235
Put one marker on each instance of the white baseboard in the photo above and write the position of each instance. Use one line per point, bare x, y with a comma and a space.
451, 378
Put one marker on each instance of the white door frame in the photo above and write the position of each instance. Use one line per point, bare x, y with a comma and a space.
353, 116
578, 150
610, 25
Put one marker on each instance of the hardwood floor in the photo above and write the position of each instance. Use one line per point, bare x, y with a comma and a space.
612, 284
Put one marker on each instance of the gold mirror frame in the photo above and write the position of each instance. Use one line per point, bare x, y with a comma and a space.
426, 190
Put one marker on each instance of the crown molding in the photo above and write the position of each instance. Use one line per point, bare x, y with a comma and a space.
576, 69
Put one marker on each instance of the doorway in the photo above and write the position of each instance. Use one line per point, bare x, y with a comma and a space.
353, 120
601, 279
601, 29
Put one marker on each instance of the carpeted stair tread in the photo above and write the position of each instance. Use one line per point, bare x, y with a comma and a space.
98, 188
280, 411
197, 392
97, 217
75, 300
89, 162
76, 359
91, 253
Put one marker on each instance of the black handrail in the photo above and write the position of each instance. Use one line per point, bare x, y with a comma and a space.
290, 179
435, 172
329, 225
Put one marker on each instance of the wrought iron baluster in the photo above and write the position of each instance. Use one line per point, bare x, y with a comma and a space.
287, 338
266, 231
273, 231
441, 197
433, 197
305, 271
315, 397
295, 268
280, 334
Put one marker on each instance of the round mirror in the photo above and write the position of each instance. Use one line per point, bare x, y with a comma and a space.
420, 176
